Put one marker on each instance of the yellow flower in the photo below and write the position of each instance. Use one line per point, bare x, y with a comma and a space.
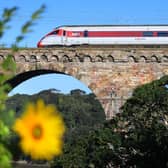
41, 129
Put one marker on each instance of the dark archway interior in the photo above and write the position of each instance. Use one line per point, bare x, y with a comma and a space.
27, 75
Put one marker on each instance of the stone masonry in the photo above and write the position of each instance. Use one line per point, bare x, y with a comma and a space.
112, 73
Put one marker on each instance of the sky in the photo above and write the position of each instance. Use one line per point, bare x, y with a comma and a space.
75, 12
80, 12
51, 81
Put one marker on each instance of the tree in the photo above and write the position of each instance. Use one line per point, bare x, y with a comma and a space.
137, 137
145, 116
141, 129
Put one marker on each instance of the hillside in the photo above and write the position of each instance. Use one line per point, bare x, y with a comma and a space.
81, 112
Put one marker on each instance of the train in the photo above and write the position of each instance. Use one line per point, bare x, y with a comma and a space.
70, 35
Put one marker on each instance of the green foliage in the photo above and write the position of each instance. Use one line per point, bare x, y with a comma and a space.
146, 118
79, 111
5, 157
25, 29
82, 113
7, 70
9, 65
98, 148
6, 18
137, 137
6, 118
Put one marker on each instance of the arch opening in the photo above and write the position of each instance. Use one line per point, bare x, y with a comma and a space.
79, 107
48, 80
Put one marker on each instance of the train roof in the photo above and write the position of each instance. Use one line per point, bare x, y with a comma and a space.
104, 25
115, 27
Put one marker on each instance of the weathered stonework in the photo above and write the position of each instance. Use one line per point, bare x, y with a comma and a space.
112, 73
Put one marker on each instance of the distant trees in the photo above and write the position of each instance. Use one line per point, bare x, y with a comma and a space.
81, 112
77, 92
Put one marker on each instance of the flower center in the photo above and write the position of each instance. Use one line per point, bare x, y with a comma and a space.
37, 132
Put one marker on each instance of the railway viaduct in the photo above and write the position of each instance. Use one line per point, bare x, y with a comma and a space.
112, 72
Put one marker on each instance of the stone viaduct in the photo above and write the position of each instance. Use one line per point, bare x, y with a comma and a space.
112, 72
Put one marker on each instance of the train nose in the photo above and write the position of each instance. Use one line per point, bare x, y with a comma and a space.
39, 44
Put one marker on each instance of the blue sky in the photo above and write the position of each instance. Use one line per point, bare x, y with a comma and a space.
76, 12
44, 82
66, 12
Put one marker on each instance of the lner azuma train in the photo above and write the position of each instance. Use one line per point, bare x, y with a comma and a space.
106, 35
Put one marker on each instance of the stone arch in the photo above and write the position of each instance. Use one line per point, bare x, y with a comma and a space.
29, 74
98, 58
142, 59
22, 58
76, 58
44, 58
154, 58
25, 75
131, 58
110, 58
164, 58
33, 58
19, 78
1, 58
54, 58
87, 58
65, 59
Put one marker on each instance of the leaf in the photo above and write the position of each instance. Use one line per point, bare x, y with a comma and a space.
14, 47
6, 17
19, 38
36, 14
9, 64
5, 157
26, 26
8, 13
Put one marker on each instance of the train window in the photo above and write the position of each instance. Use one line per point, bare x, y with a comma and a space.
162, 34
148, 34
55, 32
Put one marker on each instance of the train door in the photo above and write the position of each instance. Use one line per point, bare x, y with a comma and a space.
86, 38
64, 37
85, 33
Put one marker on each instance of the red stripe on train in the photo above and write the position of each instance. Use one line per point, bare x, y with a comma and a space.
106, 34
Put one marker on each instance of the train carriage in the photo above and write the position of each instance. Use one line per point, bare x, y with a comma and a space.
106, 35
